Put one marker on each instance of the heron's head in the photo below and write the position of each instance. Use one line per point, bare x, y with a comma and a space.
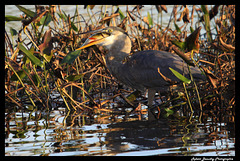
105, 37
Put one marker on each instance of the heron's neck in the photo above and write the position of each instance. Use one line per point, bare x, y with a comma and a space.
117, 52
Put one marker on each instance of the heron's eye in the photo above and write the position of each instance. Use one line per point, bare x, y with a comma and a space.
109, 30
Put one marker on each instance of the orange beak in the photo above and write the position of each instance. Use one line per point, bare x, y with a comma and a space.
94, 39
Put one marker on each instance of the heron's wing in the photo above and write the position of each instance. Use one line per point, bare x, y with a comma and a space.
142, 69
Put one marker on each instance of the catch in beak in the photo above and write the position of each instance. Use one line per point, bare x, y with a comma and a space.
97, 38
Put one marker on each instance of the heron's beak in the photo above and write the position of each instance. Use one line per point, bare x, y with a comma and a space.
94, 39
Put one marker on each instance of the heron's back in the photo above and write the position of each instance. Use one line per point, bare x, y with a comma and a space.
141, 70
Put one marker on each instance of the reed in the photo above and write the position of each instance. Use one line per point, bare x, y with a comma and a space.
38, 68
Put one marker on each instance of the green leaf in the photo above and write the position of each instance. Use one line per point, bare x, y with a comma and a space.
71, 57
121, 14
180, 76
74, 77
21, 75
47, 46
133, 96
204, 9
12, 18
93, 85
33, 58
13, 31
150, 21
74, 27
192, 40
65, 15
48, 57
169, 111
62, 16
47, 19
26, 11
177, 28
181, 45
191, 29
25, 59
35, 80
207, 22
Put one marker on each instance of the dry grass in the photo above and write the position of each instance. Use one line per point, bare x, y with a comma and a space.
86, 83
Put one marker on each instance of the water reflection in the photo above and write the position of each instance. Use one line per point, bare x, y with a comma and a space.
183, 137
60, 133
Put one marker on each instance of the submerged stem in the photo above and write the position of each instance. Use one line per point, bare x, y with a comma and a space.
189, 102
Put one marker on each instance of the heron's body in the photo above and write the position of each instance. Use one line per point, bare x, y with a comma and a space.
140, 71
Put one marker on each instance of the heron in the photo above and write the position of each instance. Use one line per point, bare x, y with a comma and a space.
143, 70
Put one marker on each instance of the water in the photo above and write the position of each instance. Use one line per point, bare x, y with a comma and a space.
58, 133
70, 9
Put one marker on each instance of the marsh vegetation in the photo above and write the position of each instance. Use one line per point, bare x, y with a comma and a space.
39, 80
